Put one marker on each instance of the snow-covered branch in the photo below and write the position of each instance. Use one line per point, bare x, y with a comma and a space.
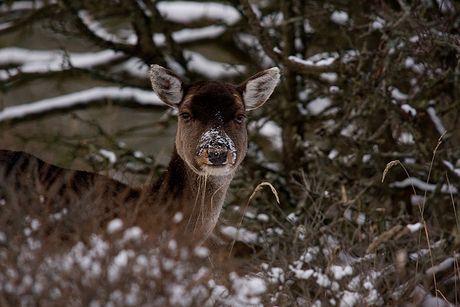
82, 98
36, 61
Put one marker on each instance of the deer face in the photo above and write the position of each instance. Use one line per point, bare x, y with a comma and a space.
211, 136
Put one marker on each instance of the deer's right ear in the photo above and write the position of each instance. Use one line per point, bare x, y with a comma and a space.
167, 85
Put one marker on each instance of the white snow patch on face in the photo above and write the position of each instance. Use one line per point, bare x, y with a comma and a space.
218, 139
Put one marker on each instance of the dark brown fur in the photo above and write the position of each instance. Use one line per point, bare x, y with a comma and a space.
211, 124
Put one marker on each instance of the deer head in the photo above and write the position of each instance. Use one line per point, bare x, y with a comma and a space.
211, 136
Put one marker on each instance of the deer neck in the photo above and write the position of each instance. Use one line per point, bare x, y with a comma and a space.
199, 199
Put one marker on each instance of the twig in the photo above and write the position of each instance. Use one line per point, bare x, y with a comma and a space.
259, 187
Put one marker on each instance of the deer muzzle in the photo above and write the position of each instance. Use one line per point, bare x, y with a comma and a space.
218, 157
216, 148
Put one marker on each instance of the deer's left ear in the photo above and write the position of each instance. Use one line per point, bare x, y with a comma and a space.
257, 89
167, 85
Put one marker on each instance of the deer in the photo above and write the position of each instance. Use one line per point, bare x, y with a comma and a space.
210, 144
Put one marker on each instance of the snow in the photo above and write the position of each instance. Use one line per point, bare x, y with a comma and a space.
436, 120
330, 77
250, 215
311, 62
262, 217
446, 6
406, 138
447, 264
186, 12
133, 233
334, 89
318, 105
217, 138
409, 110
292, 218
247, 289
274, 274
414, 227
176, 11
80, 98
178, 217
134, 66
308, 27
451, 167
366, 158
301, 274
114, 226
241, 234
35, 61
211, 69
96, 28
349, 299
273, 132
201, 251
333, 154
421, 185
378, 24
190, 35
322, 280
339, 17
109, 155
272, 20
20, 5
138, 154
397, 94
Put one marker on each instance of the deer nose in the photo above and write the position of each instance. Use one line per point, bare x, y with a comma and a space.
217, 158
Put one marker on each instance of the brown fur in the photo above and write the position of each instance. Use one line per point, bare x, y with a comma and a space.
211, 122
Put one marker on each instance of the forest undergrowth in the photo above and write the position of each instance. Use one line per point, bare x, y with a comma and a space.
338, 254
367, 91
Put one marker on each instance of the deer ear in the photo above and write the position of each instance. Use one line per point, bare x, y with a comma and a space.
167, 85
257, 89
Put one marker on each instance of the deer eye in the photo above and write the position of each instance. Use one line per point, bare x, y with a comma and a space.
186, 116
240, 118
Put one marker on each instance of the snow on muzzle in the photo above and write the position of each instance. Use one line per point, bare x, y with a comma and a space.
216, 148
